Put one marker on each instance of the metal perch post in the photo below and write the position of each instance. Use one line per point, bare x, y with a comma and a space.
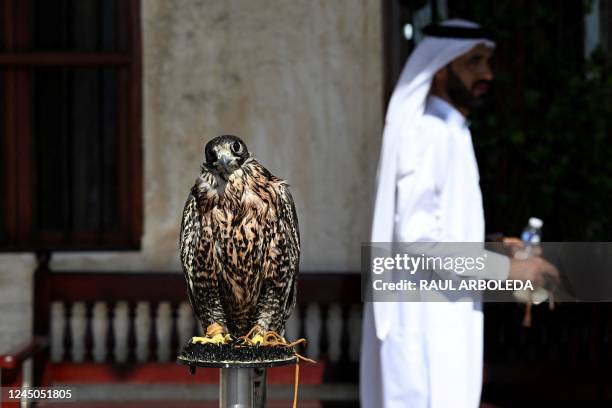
237, 364
236, 388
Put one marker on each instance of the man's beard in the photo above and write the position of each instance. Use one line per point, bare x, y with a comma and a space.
460, 94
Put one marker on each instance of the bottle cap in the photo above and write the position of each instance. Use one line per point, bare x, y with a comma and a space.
535, 222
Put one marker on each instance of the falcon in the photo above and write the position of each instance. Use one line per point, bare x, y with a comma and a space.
239, 245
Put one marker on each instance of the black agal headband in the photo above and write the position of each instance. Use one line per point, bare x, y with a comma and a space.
457, 32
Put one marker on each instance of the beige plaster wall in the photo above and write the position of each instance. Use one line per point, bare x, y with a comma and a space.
299, 80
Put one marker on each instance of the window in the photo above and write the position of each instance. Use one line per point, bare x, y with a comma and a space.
70, 125
403, 22
396, 14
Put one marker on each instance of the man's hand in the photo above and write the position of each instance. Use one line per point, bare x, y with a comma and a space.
512, 245
540, 272
515, 248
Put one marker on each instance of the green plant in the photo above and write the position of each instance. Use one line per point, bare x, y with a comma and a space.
544, 145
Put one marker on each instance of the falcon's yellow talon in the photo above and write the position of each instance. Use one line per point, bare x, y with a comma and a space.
257, 339
216, 339
196, 340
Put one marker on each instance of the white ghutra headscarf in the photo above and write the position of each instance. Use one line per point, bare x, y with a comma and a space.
406, 107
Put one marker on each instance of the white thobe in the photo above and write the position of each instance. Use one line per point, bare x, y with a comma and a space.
433, 355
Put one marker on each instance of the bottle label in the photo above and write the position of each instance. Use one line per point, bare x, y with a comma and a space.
526, 236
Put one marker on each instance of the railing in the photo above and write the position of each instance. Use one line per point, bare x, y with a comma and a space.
126, 331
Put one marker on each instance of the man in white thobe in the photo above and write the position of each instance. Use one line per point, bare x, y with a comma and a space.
429, 354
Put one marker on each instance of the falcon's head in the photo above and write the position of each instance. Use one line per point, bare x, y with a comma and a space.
225, 154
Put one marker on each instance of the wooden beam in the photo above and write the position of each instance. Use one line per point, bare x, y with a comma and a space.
321, 288
134, 134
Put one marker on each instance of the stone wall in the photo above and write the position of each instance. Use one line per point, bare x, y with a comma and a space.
299, 80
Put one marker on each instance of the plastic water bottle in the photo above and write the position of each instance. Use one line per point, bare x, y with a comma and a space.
531, 237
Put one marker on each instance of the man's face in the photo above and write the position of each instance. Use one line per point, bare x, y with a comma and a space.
468, 77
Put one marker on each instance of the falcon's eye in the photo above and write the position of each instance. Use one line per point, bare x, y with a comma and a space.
237, 147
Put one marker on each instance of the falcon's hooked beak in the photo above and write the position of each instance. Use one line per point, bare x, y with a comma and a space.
226, 163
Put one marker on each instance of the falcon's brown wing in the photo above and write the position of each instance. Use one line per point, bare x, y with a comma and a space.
278, 293
289, 222
200, 265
